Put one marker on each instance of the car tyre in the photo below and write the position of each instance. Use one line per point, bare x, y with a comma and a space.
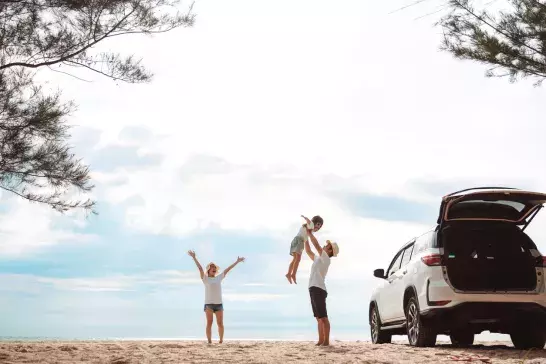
419, 334
378, 336
529, 339
462, 338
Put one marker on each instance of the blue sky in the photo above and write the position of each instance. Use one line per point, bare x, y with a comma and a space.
261, 112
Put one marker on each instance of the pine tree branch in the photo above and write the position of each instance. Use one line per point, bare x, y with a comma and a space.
469, 11
69, 56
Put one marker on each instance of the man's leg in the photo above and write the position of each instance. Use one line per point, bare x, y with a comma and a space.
314, 298
220, 323
320, 332
210, 318
323, 316
326, 330
297, 259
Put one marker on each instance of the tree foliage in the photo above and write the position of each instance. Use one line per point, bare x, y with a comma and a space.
36, 162
512, 42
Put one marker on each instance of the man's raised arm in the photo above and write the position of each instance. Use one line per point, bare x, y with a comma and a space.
309, 251
315, 242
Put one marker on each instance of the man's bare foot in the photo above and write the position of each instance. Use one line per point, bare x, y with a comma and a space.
318, 344
221, 341
325, 344
287, 275
293, 276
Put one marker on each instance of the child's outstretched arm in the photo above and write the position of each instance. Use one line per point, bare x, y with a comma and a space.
315, 242
191, 253
306, 220
239, 259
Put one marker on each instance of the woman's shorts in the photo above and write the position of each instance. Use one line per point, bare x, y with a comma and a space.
215, 307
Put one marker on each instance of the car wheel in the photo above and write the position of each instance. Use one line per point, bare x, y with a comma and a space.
462, 339
529, 339
378, 336
419, 334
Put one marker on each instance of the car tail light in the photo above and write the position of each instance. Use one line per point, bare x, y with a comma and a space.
432, 260
438, 303
541, 262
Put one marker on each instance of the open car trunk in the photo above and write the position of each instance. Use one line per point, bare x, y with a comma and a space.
489, 257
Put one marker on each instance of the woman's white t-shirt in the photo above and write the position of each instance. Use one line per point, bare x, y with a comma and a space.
213, 289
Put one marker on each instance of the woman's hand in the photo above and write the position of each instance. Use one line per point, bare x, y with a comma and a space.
240, 259
191, 253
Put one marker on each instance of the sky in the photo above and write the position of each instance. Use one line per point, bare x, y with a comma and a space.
261, 112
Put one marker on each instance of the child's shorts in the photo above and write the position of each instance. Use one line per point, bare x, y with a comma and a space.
297, 245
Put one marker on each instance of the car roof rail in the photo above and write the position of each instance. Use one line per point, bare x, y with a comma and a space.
482, 188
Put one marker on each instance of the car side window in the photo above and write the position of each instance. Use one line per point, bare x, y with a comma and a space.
407, 255
395, 265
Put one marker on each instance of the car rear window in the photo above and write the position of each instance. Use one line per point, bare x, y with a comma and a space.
518, 206
499, 209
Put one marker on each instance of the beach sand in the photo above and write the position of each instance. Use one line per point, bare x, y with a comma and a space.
126, 352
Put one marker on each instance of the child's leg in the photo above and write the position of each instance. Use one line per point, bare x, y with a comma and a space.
297, 259
291, 268
294, 246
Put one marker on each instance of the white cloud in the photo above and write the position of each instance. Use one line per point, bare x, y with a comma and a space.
256, 284
158, 279
26, 228
170, 278
293, 126
21, 283
112, 284
252, 297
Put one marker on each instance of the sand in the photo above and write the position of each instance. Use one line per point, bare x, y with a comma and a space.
125, 352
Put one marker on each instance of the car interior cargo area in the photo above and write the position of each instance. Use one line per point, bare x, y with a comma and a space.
489, 257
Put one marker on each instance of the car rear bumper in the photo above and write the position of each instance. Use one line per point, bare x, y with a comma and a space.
481, 316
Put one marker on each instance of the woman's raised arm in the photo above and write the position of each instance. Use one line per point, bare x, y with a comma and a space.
239, 259
191, 253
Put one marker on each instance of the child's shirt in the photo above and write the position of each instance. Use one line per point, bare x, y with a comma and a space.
303, 230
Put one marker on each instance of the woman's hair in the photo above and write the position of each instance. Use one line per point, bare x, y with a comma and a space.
211, 263
317, 220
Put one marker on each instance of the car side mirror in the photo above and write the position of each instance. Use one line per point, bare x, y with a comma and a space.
379, 273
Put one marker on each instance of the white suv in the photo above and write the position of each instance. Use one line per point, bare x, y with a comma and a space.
476, 271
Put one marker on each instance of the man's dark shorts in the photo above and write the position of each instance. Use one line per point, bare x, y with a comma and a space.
318, 301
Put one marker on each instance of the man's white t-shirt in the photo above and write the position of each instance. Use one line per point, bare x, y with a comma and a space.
319, 268
213, 289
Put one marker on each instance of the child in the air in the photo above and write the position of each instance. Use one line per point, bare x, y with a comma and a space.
296, 247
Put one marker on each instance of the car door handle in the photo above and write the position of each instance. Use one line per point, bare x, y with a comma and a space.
394, 278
